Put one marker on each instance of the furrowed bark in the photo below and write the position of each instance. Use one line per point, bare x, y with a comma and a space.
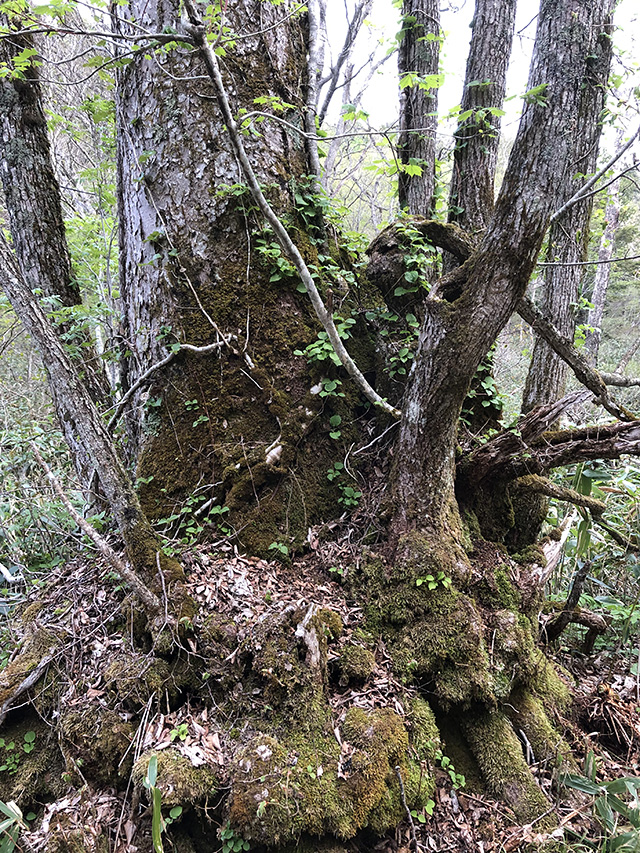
569, 235
418, 55
471, 195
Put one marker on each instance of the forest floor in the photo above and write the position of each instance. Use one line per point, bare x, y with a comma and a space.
82, 603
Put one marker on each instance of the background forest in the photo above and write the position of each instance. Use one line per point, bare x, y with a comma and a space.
241, 608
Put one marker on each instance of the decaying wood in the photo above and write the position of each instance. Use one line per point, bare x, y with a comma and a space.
30, 681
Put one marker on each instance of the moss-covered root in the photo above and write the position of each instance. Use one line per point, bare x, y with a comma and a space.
501, 761
527, 714
283, 789
179, 782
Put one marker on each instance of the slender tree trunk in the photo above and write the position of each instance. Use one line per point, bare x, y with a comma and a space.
418, 61
569, 236
471, 195
603, 271
34, 210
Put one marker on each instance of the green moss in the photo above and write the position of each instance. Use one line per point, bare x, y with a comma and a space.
134, 677
424, 734
355, 665
284, 788
96, 742
504, 769
179, 782
548, 685
527, 714
40, 644
39, 772
332, 623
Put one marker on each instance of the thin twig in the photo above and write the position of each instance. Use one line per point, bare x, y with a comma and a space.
584, 190
150, 601
406, 808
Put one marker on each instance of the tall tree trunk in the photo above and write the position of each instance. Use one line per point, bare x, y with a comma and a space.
34, 210
603, 271
466, 311
569, 236
471, 195
475, 159
418, 58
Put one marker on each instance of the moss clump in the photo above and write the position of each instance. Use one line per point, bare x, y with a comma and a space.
332, 622
355, 665
97, 741
424, 734
179, 782
499, 755
285, 787
527, 713
547, 684
38, 773
446, 647
134, 677
40, 644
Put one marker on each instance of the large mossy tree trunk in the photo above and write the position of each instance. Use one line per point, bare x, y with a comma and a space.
198, 266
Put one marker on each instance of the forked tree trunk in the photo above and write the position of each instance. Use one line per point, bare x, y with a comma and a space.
465, 312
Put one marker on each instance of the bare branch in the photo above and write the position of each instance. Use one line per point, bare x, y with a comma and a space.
150, 601
359, 14
583, 371
584, 191
543, 486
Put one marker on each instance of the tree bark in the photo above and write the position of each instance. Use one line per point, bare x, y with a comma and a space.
471, 195
199, 266
569, 235
462, 322
34, 210
418, 58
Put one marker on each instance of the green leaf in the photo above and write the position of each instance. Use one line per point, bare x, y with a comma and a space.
156, 821
152, 770
579, 783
